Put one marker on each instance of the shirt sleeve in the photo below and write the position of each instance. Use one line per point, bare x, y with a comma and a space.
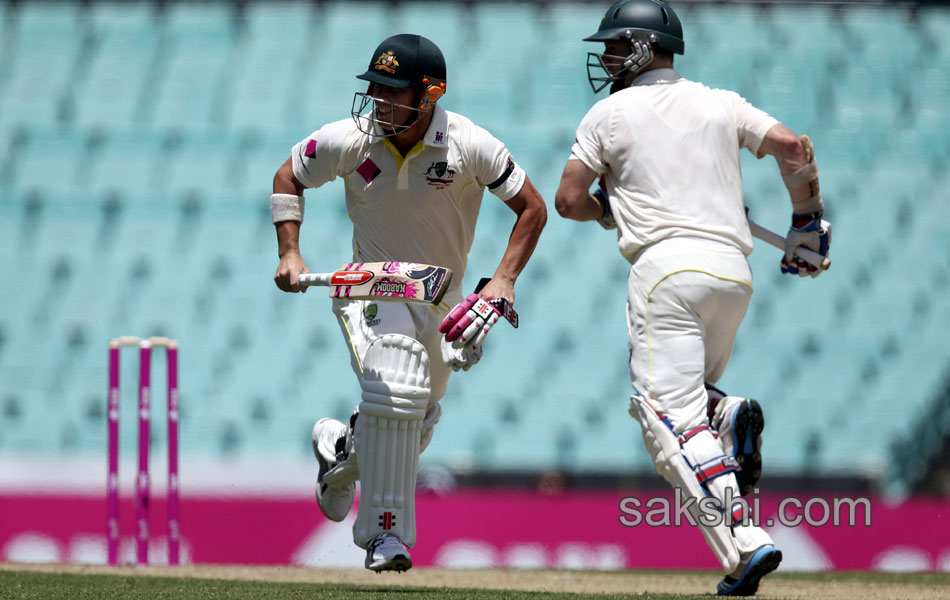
590, 141
751, 123
495, 168
317, 157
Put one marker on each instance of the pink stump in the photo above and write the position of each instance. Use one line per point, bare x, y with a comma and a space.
112, 482
173, 527
141, 482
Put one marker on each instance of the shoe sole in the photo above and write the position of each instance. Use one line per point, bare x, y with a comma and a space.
763, 567
398, 563
748, 424
322, 487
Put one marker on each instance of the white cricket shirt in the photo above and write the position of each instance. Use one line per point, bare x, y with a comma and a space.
419, 208
669, 148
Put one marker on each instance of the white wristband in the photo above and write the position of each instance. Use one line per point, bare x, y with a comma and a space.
286, 207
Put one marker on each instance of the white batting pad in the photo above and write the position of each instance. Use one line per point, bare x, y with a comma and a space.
671, 464
711, 466
387, 437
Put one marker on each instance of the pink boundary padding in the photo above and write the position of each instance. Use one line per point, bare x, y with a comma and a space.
496, 525
174, 531
141, 481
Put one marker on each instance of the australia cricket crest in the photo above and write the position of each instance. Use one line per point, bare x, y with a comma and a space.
439, 175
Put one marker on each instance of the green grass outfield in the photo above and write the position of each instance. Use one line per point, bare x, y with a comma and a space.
79, 583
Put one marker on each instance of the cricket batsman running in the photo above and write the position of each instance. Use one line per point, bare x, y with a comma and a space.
666, 153
414, 175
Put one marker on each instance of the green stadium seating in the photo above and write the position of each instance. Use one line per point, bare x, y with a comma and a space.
137, 149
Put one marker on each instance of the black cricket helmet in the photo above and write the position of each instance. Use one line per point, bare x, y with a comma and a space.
643, 23
402, 61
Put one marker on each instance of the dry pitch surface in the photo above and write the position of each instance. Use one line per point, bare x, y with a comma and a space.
864, 586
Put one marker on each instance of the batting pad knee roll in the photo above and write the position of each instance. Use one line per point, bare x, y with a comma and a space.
395, 378
388, 435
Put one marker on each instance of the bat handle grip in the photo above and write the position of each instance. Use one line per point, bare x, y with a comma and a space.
770, 237
309, 279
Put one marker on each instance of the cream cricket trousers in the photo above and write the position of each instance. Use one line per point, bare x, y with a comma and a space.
362, 321
686, 299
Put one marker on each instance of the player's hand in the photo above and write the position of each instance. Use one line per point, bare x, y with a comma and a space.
469, 322
461, 358
607, 220
809, 231
497, 287
290, 267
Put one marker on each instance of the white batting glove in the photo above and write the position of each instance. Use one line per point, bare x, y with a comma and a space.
809, 231
462, 358
469, 322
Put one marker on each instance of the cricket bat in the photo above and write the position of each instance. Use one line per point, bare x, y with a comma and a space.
388, 281
770, 237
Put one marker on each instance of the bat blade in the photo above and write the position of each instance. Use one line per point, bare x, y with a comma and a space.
385, 281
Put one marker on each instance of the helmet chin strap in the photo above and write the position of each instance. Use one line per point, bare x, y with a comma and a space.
413, 119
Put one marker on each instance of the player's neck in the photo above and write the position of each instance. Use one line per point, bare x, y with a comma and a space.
404, 143
407, 140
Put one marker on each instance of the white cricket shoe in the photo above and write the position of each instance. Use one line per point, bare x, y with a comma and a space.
744, 581
329, 441
740, 423
386, 552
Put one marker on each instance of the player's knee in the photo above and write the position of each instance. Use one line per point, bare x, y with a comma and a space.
433, 414
395, 378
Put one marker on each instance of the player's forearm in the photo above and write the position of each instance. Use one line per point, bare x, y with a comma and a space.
532, 216
521, 245
288, 237
782, 143
582, 207
288, 232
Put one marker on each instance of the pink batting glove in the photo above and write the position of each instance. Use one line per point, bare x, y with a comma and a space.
469, 322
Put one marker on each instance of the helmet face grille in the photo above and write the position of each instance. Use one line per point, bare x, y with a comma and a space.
364, 113
606, 69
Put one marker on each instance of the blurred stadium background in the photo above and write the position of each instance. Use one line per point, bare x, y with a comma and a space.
137, 146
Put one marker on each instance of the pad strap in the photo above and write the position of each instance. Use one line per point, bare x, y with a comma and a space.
739, 511
716, 468
686, 435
